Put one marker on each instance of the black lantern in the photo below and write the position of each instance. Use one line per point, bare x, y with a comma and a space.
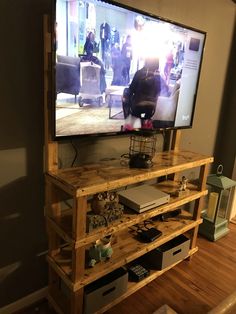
215, 222
142, 149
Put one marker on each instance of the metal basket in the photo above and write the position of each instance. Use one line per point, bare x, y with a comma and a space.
142, 148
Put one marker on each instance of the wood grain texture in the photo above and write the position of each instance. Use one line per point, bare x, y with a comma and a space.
126, 249
82, 182
105, 176
62, 225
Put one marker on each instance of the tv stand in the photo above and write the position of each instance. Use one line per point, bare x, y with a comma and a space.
68, 193
67, 234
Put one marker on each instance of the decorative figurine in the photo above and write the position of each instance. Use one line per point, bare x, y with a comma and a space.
182, 189
183, 184
105, 209
100, 251
103, 202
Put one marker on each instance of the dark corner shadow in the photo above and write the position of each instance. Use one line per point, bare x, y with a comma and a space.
225, 147
23, 238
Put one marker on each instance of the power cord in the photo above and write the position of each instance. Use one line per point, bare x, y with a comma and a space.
76, 153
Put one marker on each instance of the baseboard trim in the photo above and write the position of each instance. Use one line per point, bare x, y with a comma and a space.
25, 302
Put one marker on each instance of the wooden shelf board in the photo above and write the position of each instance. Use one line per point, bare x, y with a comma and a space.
135, 286
105, 176
131, 288
63, 224
125, 249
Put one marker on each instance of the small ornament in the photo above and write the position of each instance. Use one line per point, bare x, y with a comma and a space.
103, 202
182, 189
100, 251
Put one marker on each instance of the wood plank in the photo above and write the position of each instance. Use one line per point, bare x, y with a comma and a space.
175, 143
62, 273
78, 264
79, 217
204, 171
77, 302
63, 225
105, 176
52, 208
126, 249
60, 230
51, 148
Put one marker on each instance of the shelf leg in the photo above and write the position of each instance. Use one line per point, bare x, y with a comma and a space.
204, 170
79, 230
77, 301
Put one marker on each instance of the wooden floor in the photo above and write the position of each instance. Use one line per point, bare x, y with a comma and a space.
192, 287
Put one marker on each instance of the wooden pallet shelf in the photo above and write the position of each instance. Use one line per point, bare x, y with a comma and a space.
132, 288
69, 240
62, 225
106, 176
126, 249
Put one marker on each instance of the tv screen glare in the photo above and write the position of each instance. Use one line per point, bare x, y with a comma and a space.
98, 49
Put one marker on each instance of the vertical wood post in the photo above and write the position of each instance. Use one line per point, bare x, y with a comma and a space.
51, 147
199, 202
78, 231
175, 143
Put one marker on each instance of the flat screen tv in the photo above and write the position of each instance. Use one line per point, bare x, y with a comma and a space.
99, 47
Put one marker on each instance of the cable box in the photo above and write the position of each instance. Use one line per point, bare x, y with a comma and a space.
143, 197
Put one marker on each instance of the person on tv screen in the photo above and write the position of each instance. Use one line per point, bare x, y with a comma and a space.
117, 65
93, 59
139, 100
127, 55
90, 44
105, 36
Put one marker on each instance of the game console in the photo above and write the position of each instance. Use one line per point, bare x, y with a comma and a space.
143, 197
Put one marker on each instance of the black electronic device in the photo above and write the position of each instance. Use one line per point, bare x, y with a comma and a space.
149, 235
170, 214
87, 98
145, 233
137, 272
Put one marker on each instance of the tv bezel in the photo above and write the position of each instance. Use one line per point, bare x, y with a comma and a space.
56, 137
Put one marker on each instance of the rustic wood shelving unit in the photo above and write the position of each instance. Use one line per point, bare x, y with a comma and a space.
66, 225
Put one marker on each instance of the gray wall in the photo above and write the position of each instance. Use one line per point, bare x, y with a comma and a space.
22, 269
22, 231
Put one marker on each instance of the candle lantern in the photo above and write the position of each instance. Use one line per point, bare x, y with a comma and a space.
215, 222
142, 149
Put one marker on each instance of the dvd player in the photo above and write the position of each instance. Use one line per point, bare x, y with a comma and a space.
143, 197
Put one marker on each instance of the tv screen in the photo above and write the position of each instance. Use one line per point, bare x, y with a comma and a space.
118, 69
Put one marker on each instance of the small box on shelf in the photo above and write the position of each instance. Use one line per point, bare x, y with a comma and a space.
169, 253
104, 290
